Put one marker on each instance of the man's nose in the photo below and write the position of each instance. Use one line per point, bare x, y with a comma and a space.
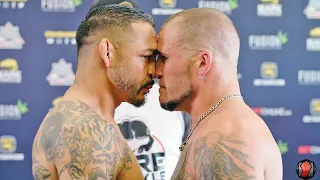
151, 70
152, 67
159, 68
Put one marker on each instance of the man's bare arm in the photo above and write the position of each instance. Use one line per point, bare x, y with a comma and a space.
84, 145
218, 156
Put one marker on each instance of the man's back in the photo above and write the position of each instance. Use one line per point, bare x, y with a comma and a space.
74, 142
230, 145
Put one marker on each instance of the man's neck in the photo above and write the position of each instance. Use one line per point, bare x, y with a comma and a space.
98, 95
206, 98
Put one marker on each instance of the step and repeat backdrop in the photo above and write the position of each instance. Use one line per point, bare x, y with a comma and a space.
279, 69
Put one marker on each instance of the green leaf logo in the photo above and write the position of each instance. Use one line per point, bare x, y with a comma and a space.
233, 4
283, 37
283, 146
23, 107
77, 2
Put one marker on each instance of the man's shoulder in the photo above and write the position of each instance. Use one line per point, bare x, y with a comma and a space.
77, 139
218, 154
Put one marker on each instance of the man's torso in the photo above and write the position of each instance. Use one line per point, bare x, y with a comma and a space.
74, 142
224, 148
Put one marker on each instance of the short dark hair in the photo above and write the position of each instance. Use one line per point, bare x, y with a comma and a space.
110, 21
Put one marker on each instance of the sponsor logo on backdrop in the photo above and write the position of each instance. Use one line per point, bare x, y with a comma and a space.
225, 6
314, 111
10, 37
167, 7
9, 72
283, 146
13, 111
312, 11
12, 4
268, 42
269, 8
60, 5
309, 77
306, 169
60, 37
61, 74
8, 147
148, 149
269, 74
272, 111
308, 149
313, 42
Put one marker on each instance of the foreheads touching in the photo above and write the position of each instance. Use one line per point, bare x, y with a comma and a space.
113, 22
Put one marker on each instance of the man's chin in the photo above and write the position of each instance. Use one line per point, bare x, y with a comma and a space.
137, 101
170, 106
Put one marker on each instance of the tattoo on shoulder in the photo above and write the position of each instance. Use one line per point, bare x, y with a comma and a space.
72, 129
40, 173
215, 157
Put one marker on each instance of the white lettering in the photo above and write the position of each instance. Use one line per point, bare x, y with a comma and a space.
12, 157
276, 112
159, 11
269, 10
58, 5
313, 44
315, 150
9, 112
311, 119
222, 6
10, 76
264, 42
269, 82
309, 77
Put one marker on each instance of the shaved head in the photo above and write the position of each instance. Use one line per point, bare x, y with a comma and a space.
205, 45
206, 28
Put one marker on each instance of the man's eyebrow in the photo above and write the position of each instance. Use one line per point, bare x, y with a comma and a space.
161, 53
149, 50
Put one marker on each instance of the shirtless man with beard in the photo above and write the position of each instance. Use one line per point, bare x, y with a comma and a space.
78, 138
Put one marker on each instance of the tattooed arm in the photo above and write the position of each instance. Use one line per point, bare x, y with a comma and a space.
78, 144
42, 165
42, 170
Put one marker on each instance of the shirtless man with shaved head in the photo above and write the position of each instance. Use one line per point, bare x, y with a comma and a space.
197, 67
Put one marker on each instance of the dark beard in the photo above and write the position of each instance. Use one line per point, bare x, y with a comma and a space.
173, 104
138, 102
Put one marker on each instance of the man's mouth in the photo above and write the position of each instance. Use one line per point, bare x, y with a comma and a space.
148, 85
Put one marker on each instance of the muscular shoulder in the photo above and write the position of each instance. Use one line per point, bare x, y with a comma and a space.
79, 143
217, 155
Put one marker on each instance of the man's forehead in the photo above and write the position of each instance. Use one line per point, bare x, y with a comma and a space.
166, 40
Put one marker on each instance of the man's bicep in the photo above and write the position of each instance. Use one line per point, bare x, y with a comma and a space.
43, 171
220, 156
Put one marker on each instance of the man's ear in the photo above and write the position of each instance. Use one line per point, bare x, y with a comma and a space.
205, 62
106, 51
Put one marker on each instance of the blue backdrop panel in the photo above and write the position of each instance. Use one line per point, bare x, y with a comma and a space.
279, 69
